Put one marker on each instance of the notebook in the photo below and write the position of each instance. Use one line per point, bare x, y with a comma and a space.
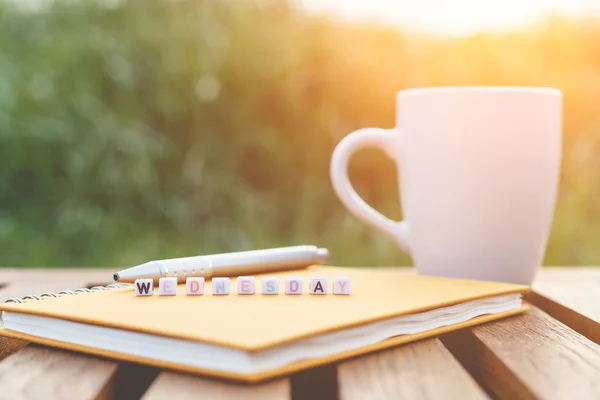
253, 338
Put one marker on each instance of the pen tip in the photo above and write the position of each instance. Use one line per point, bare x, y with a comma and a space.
322, 253
116, 277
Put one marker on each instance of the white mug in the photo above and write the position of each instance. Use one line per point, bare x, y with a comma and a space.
478, 170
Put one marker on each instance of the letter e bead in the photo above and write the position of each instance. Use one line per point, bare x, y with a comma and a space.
167, 286
341, 285
245, 285
318, 285
144, 287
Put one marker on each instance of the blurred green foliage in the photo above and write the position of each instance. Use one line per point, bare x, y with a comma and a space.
140, 129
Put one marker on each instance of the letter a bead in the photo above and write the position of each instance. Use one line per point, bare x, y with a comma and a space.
318, 285
144, 287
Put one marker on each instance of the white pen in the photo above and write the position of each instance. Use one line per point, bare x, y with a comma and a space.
227, 264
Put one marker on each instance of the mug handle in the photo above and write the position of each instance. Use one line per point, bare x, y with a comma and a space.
385, 140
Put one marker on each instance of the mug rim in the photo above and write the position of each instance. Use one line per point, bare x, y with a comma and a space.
480, 89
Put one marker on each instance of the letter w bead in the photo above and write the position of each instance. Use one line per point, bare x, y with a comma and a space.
144, 287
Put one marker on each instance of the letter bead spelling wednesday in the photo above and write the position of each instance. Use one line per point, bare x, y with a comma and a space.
167, 286
144, 287
270, 285
194, 286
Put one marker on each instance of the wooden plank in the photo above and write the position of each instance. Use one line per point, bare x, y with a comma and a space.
170, 385
21, 282
41, 274
421, 370
9, 346
41, 271
572, 296
575, 304
18, 283
31, 371
581, 297
568, 274
529, 356
41, 373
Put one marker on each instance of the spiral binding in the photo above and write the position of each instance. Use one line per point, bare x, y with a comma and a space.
66, 293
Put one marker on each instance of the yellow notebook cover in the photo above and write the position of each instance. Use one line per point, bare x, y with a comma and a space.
258, 322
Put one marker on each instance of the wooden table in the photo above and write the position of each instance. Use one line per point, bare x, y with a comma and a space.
552, 352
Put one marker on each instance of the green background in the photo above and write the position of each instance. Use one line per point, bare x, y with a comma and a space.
143, 129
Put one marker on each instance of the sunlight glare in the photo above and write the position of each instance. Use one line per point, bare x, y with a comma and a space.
454, 17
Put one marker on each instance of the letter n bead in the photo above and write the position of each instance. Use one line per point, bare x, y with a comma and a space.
220, 286
194, 286
341, 285
144, 287
318, 285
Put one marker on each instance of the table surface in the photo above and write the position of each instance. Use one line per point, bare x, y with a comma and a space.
551, 352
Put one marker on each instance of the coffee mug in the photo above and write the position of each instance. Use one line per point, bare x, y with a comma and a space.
478, 169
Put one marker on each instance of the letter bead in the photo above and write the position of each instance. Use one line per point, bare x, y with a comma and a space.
318, 285
144, 287
293, 285
167, 286
245, 285
270, 285
341, 285
194, 286
220, 286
